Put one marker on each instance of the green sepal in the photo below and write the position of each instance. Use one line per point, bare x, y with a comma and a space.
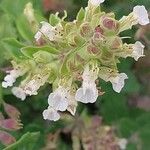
81, 15
54, 19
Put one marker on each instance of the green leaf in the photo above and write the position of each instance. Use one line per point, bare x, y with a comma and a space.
24, 28
127, 127
145, 137
112, 106
26, 142
30, 50
7, 28
13, 47
80, 15
13, 8
131, 146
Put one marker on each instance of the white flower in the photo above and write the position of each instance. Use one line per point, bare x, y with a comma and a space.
50, 32
51, 114
10, 78
138, 50
88, 93
8, 81
33, 85
122, 144
118, 82
141, 14
19, 93
58, 99
47, 30
96, 2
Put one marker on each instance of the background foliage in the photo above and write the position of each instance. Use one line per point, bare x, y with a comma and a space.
128, 112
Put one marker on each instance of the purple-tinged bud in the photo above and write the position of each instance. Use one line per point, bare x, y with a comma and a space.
6, 139
11, 111
97, 39
10, 124
109, 23
92, 49
98, 29
86, 30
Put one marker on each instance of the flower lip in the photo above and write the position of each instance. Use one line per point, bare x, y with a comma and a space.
118, 82
87, 95
141, 15
19, 93
51, 114
58, 100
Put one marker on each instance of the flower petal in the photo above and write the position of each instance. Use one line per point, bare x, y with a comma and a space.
138, 50
118, 82
141, 14
51, 114
96, 2
88, 95
58, 102
19, 93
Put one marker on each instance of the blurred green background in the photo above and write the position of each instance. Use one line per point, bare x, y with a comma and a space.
128, 112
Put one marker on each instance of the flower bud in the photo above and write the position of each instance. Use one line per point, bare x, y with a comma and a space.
110, 25
98, 29
6, 138
10, 124
97, 39
116, 43
86, 30
11, 111
92, 49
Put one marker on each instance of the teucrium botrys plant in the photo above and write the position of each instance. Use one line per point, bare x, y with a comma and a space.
86, 49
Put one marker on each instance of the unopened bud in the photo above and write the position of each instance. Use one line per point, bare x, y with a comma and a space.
97, 39
98, 29
11, 111
116, 43
86, 30
10, 124
110, 25
6, 139
92, 49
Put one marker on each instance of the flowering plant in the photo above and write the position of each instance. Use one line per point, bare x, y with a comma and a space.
87, 50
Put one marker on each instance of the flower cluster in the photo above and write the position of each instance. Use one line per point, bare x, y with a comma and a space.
87, 49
